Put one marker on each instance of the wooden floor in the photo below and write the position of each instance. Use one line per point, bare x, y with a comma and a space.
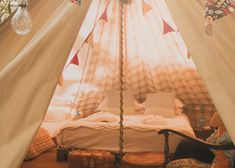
45, 160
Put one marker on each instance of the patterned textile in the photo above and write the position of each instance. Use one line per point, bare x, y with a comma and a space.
153, 62
41, 143
187, 163
5, 10
216, 9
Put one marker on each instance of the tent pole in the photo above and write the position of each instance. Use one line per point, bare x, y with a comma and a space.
121, 59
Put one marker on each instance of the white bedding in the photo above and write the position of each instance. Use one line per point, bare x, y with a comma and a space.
101, 131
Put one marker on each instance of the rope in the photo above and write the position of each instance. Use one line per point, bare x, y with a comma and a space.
121, 61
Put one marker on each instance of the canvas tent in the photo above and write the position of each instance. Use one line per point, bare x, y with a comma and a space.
27, 86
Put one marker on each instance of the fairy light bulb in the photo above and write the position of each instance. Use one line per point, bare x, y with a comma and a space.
21, 21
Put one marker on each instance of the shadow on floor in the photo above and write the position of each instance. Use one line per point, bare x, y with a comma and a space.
47, 160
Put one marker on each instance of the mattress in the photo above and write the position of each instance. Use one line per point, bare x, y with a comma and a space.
101, 131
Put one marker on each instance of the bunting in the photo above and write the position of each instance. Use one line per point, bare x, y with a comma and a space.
104, 16
167, 28
74, 60
89, 39
217, 9
146, 7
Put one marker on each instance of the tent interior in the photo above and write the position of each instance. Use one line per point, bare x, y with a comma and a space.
108, 75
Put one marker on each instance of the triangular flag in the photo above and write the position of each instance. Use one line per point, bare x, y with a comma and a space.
89, 39
166, 27
104, 16
189, 56
74, 60
146, 7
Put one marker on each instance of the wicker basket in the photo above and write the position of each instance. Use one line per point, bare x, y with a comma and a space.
143, 160
91, 159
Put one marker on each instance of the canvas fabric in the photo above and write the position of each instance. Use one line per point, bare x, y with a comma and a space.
153, 61
213, 55
30, 67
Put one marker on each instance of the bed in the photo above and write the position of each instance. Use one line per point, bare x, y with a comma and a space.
101, 131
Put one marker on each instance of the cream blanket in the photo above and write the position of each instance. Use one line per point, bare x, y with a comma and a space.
105, 120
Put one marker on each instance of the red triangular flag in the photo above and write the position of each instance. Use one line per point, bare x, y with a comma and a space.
89, 39
146, 7
74, 60
166, 27
104, 16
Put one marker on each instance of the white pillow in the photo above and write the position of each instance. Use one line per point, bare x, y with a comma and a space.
161, 103
160, 99
111, 102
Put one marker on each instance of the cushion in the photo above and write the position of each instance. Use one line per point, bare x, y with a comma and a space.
160, 99
221, 160
41, 143
161, 103
111, 102
187, 163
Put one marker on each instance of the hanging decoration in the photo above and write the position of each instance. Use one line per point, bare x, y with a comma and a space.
217, 9
146, 7
21, 21
167, 28
74, 60
89, 39
104, 16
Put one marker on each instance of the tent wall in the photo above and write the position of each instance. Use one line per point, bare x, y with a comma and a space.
213, 55
29, 70
154, 60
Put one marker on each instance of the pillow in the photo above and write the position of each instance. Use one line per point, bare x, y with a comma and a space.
160, 99
41, 143
111, 102
178, 106
161, 103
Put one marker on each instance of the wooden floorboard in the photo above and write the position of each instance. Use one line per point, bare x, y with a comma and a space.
45, 160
